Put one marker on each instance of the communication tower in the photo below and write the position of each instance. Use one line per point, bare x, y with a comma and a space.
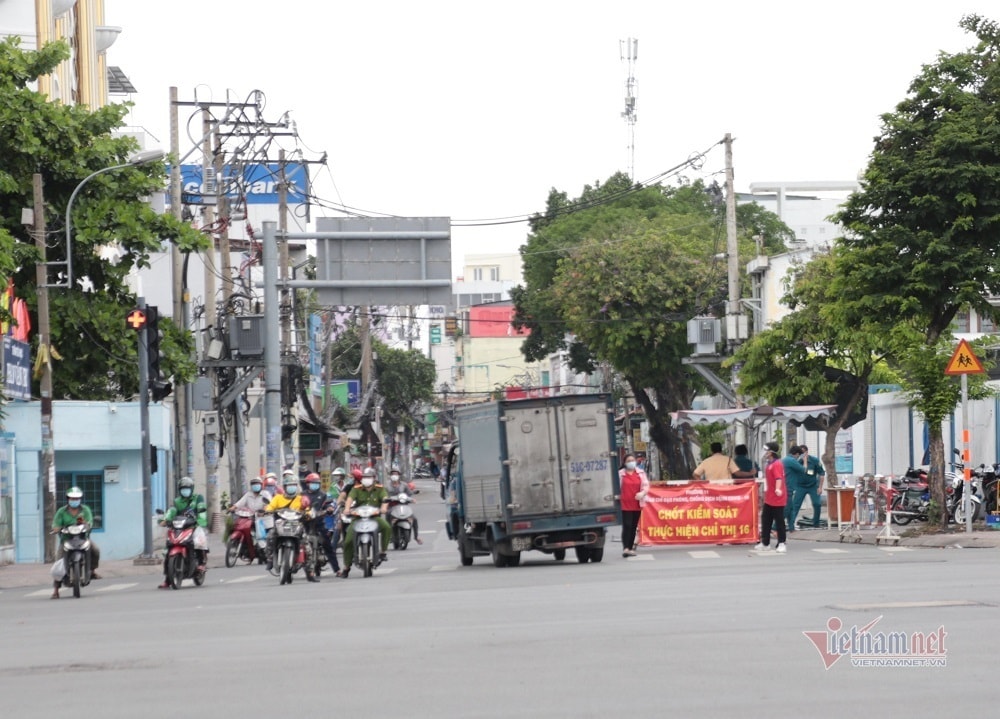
629, 53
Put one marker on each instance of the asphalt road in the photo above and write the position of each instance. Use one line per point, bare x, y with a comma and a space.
679, 631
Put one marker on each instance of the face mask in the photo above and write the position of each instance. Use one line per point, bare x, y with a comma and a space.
186, 492
291, 490
367, 482
394, 478
313, 486
630, 465
74, 503
254, 487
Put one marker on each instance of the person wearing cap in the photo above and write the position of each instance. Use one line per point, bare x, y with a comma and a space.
75, 512
775, 499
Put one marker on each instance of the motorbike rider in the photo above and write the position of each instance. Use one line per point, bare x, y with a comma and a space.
75, 512
321, 506
270, 486
397, 486
290, 499
338, 483
254, 500
188, 500
368, 494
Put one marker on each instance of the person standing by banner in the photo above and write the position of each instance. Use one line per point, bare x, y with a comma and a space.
795, 474
634, 485
810, 484
775, 499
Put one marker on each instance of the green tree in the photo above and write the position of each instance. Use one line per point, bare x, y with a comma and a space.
615, 275
65, 144
812, 356
921, 242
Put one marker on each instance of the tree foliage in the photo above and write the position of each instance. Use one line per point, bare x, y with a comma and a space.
616, 282
65, 144
921, 243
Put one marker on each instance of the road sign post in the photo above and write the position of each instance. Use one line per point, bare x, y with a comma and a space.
964, 362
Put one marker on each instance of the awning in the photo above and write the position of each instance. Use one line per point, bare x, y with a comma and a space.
753, 416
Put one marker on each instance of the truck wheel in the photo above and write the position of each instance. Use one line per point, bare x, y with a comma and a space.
559, 554
596, 554
582, 554
499, 560
464, 550
513, 559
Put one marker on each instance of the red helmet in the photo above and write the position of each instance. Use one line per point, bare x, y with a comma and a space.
312, 477
356, 473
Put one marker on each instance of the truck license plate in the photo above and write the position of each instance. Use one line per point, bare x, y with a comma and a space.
520, 544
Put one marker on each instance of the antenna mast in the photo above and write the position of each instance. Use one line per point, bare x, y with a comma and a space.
629, 53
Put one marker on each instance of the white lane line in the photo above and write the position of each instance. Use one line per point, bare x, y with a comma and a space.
41, 593
441, 521
444, 568
831, 550
896, 549
641, 558
244, 580
704, 555
117, 587
387, 570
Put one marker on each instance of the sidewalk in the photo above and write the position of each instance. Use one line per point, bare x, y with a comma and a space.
953, 539
13, 576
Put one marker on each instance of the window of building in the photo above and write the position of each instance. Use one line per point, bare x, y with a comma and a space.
961, 322
92, 484
495, 274
987, 325
477, 274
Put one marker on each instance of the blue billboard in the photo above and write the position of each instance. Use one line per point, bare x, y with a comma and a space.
258, 183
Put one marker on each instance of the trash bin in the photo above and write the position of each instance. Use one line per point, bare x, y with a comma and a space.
845, 504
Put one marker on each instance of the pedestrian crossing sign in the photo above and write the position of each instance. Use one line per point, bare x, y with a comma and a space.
964, 361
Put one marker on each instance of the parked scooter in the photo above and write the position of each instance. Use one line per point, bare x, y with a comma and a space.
182, 559
911, 498
975, 498
242, 543
401, 519
76, 556
366, 537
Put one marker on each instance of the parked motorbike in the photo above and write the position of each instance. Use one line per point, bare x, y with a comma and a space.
76, 556
401, 519
366, 537
242, 544
182, 559
911, 497
290, 544
976, 497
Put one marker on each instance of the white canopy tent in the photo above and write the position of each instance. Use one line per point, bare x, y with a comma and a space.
753, 418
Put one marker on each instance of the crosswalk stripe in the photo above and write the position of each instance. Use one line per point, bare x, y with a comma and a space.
896, 549
830, 550
117, 587
444, 568
244, 580
641, 558
387, 570
704, 555
39, 593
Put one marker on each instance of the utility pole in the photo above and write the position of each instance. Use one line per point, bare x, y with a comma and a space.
210, 440
272, 355
736, 321
147, 496
48, 457
182, 393
629, 54
285, 302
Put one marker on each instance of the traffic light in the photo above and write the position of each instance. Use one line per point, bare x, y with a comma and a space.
159, 389
153, 343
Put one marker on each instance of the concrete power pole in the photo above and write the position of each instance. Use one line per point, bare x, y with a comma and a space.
210, 181
182, 400
47, 468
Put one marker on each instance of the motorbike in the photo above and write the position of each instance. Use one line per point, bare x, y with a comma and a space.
366, 537
911, 497
290, 544
182, 559
76, 556
401, 519
242, 544
975, 498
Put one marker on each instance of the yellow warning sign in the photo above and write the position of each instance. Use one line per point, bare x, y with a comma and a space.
964, 361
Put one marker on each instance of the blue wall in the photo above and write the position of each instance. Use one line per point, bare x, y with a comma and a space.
89, 436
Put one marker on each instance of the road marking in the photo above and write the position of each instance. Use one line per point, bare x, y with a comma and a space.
441, 521
910, 605
704, 555
244, 580
388, 570
444, 568
641, 558
117, 587
831, 550
40, 593
896, 549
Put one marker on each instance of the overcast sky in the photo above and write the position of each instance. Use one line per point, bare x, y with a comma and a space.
475, 110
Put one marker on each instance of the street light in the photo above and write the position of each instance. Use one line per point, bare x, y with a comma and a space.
139, 158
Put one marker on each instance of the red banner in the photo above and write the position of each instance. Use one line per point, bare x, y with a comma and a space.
700, 513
